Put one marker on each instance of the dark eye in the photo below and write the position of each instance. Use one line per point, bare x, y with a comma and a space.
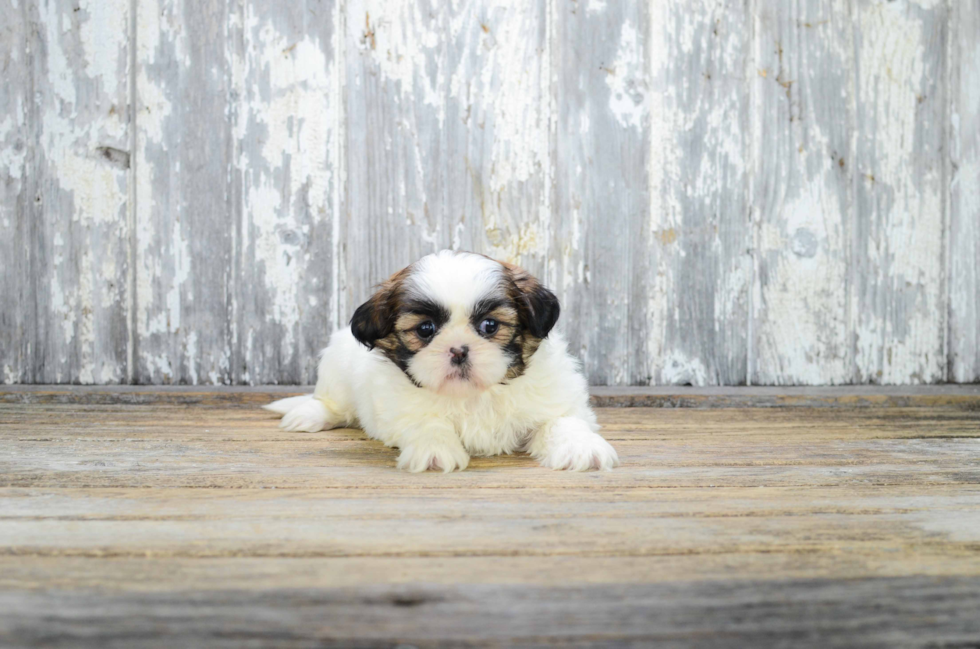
489, 327
426, 330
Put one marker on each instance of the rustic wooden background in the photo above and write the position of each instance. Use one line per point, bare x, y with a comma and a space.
721, 192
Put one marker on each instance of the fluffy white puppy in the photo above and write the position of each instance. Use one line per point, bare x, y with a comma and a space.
452, 357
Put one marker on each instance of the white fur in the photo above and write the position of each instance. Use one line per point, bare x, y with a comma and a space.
545, 411
283, 406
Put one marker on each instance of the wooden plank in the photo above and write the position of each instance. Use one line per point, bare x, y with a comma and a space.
260, 523
802, 192
909, 611
447, 135
81, 167
286, 138
213, 423
18, 331
898, 301
168, 573
126, 448
932, 396
602, 194
964, 214
186, 212
854, 396
697, 288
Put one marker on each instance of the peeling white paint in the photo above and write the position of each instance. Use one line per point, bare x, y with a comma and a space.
679, 369
105, 53
626, 78
596, 6
84, 283
11, 159
286, 89
963, 239
902, 344
513, 74
400, 38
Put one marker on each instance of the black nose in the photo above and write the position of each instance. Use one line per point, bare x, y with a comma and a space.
459, 354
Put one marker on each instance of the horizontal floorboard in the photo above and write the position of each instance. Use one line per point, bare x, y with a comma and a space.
851, 396
799, 613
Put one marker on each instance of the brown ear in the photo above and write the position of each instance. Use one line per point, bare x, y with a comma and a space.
537, 307
372, 320
375, 319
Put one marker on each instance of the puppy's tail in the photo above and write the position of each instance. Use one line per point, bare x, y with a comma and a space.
283, 406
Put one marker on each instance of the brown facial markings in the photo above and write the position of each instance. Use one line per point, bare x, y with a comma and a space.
537, 311
374, 322
506, 317
405, 332
408, 321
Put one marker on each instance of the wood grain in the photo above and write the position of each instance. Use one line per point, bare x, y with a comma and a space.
18, 331
964, 212
287, 126
817, 613
185, 201
898, 294
699, 180
803, 103
603, 131
965, 397
80, 169
165, 525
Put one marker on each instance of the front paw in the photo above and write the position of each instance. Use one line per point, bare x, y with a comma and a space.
572, 446
435, 455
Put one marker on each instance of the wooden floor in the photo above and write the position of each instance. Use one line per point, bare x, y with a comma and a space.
203, 524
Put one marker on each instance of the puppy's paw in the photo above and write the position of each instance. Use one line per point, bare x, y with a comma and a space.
310, 416
571, 445
435, 455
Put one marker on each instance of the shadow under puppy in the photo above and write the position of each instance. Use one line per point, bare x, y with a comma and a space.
455, 356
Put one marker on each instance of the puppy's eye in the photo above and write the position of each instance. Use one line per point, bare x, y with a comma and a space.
426, 330
489, 327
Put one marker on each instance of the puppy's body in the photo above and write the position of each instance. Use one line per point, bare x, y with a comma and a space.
453, 358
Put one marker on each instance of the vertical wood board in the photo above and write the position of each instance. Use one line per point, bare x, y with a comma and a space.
286, 129
898, 296
964, 187
803, 131
601, 185
80, 78
185, 216
698, 292
18, 340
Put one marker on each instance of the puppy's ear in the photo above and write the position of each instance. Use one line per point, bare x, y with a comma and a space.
373, 320
537, 307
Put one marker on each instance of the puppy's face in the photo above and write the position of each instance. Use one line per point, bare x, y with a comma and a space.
458, 323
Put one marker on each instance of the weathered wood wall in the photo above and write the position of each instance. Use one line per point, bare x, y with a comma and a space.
721, 192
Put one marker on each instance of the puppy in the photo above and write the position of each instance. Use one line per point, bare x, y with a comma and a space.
455, 356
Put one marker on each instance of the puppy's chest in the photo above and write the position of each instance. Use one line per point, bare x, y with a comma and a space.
492, 433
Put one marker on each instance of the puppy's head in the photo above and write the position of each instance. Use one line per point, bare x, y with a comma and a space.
458, 323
